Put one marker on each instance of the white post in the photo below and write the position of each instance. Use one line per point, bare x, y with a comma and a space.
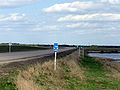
9, 47
55, 61
79, 51
83, 52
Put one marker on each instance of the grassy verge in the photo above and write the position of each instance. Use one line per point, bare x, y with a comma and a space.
97, 77
73, 73
43, 77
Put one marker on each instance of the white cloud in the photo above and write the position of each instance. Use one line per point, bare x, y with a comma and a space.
101, 6
73, 7
80, 32
14, 3
53, 27
6, 29
82, 24
106, 29
48, 27
95, 30
113, 35
87, 17
12, 17
111, 1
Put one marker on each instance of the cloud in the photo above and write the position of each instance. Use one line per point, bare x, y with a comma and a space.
106, 29
113, 35
15, 3
37, 29
95, 30
6, 29
80, 32
73, 7
47, 27
111, 1
94, 17
81, 24
85, 7
12, 17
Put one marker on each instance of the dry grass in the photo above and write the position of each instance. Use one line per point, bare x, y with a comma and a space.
43, 76
24, 84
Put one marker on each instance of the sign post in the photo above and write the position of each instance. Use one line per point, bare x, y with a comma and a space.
83, 52
10, 44
55, 50
79, 51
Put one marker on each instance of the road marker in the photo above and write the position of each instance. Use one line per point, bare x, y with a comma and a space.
55, 50
79, 51
83, 52
10, 45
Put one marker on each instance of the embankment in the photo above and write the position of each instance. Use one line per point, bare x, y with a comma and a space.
73, 73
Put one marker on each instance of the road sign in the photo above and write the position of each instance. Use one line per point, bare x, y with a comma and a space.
55, 47
55, 50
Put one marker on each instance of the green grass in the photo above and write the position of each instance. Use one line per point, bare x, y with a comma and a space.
96, 76
7, 79
7, 84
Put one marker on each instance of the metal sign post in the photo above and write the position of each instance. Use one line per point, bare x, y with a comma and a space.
10, 44
55, 50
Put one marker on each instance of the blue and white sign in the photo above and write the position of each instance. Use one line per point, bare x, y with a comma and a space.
55, 47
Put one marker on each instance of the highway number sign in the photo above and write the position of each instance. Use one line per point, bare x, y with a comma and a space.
55, 47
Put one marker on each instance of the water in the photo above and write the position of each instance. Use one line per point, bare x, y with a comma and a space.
115, 56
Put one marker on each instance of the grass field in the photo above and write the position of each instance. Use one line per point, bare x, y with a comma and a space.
73, 73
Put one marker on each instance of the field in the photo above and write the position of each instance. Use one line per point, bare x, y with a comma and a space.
73, 73
15, 48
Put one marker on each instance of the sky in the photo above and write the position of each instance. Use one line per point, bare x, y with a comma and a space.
81, 22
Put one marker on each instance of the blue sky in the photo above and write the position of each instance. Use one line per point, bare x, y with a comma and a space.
64, 21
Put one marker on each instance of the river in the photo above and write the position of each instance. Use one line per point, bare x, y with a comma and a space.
115, 56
